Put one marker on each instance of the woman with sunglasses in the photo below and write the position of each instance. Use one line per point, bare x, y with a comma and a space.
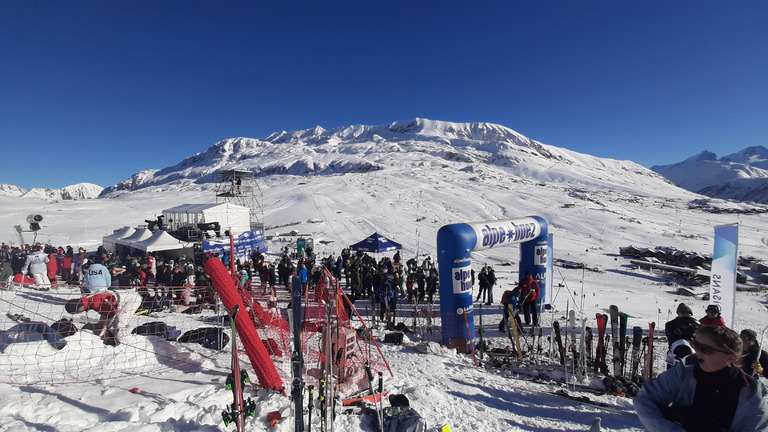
713, 394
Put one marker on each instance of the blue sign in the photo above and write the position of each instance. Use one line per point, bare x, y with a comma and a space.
245, 243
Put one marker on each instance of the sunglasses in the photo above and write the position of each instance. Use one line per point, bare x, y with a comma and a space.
706, 349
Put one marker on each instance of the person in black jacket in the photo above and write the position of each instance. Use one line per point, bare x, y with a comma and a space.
680, 333
754, 361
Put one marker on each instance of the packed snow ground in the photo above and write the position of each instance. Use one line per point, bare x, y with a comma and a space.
444, 388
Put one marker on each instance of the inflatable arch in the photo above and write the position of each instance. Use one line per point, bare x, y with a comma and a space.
455, 244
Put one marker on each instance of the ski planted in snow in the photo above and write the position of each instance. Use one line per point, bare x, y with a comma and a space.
559, 340
600, 365
236, 379
588, 343
648, 370
637, 337
297, 359
512, 331
623, 347
616, 338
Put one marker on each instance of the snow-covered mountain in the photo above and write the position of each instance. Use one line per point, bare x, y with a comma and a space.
11, 190
481, 150
741, 176
72, 192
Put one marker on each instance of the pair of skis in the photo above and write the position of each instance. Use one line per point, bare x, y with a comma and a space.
236, 380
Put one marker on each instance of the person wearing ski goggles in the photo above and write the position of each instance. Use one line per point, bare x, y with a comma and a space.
712, 394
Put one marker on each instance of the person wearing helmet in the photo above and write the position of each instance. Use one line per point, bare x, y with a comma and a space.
37, 265
713, 317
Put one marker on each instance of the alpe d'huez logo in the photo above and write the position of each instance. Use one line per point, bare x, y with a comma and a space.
509, 232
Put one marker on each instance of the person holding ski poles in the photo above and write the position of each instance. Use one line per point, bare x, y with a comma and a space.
529, 293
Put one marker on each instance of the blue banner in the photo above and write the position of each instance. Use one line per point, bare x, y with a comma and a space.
722, 288
245, 243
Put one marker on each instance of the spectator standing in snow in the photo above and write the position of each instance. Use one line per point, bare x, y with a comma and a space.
482, 279
66, 264
6, 271
712, 394
529, 293
37, 265
491, 282
713, 316
96, 276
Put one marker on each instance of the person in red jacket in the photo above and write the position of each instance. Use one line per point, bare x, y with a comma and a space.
114, 313
529, 293
53, 267
713, 317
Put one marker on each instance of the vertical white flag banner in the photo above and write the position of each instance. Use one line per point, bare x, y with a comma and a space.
722, 287
550, 276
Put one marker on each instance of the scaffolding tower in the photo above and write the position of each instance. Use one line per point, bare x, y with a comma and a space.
241, 188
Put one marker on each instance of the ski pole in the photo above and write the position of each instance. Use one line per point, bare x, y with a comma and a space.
310, 407
469, 335
381, 401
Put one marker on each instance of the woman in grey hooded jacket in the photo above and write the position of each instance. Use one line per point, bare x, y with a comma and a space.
713, 394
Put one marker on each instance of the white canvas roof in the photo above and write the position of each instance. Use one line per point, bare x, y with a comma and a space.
122, 233
137, 236
160, 241
110, 241
230, 216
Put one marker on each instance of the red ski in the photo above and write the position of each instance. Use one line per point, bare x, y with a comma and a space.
600, 365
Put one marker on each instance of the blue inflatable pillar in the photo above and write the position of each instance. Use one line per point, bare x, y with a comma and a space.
455, 244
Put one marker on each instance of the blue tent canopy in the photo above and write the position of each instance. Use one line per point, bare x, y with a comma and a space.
376, 243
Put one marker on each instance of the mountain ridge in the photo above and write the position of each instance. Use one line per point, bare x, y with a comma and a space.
366, 148
741, 176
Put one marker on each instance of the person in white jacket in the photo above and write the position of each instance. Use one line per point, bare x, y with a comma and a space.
713, 394
36, 265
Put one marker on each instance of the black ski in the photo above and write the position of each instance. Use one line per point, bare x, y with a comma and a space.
623, 346
616, 337
637, 337
559, 340
297, 358
588, 343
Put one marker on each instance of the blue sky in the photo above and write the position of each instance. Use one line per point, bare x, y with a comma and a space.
95, 91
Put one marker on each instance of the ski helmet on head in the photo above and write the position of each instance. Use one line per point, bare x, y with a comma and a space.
73, 306
684, 308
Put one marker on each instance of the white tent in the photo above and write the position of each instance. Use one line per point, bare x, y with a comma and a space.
161, 241
110, 241
231, 217
137, 236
